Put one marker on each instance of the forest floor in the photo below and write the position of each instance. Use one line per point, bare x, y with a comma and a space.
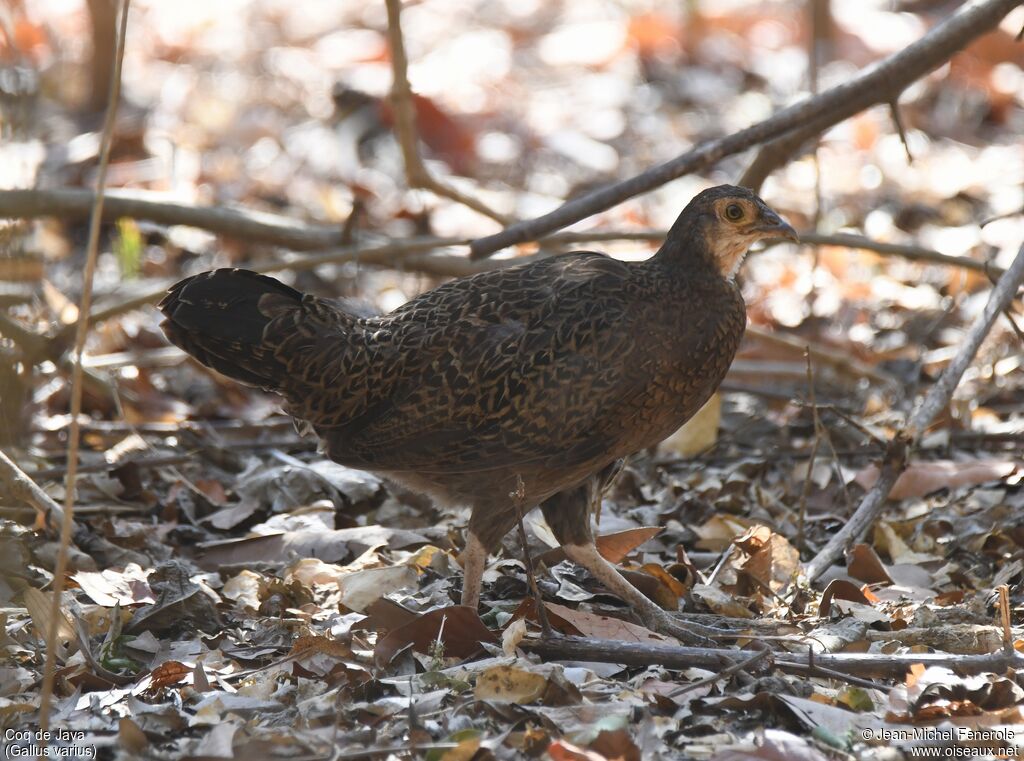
233, 594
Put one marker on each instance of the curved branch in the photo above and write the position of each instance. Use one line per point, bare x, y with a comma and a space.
880, 83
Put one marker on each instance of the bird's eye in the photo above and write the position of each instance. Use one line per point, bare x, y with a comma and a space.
734, 212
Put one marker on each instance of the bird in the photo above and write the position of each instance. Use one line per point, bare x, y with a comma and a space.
513, 388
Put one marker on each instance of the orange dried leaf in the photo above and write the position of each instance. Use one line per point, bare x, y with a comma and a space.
863, 563
614, 547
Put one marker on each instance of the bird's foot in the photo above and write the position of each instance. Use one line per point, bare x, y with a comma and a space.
694, 635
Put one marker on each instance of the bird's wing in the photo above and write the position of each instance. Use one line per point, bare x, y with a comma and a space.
533, 366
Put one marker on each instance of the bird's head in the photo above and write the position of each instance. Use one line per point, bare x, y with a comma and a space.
722, 223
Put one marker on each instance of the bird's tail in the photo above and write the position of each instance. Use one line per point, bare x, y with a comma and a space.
221, 318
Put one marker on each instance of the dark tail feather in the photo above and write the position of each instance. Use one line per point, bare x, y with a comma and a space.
219, 317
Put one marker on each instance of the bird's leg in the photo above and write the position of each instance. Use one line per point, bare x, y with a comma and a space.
652, 616
473, 560
568, 514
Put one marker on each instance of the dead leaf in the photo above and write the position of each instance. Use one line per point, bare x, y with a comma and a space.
40, 609
886, 538
512, 636
863, 563
922, 478
773, 562
245, 589
604, 627
699, 433
460, 627
560, 750
131, 737
843, 589
112, 587
361, 589
464, 751
670, 582
721, 602
168, 673
510, 684
615, 744
774, 745
720, 531
614, 547
219, 742
654, 588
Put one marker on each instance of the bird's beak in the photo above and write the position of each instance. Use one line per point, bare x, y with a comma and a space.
776, 228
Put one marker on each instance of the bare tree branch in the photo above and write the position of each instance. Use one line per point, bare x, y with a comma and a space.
880, 83
905, 251
927, 409
416, 172
273, 229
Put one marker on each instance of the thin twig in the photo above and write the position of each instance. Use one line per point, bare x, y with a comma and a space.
21, 486
542, 613
410, 255
820, 432
776, 153
901, 130
911, 252
91, 255
1004, 616
725, 673
880, 83
416, 172
814, 669
781, 151
272, 229
921, 418
808, 480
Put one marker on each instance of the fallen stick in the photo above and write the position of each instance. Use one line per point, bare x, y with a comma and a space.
678, 657
901, 444
880, 83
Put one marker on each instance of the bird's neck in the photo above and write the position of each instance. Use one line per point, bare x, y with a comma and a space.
686, 250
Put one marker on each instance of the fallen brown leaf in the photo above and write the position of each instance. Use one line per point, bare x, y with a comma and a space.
460, 628
922, 478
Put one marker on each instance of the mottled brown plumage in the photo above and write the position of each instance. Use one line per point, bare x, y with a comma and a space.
534, 378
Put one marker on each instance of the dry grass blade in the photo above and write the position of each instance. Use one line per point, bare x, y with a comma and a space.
92, 254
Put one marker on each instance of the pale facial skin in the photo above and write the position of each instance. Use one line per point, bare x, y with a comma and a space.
741, 223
